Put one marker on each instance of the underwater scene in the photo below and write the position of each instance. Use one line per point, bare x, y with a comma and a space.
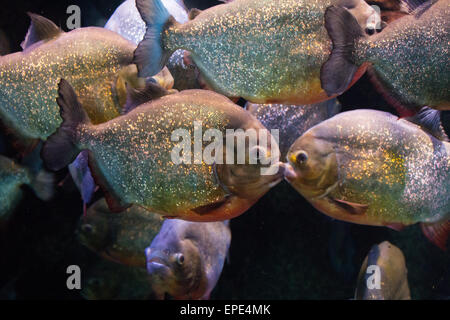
225, 150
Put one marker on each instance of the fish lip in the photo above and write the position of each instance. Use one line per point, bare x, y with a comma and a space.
288, 172
156, 261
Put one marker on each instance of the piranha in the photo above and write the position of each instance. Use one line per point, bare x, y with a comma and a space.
120, 237
144, 157
370, 167
267, 51
408, 59
292, 120
13, 176
185, 259
95, 60
386, 265
106, 280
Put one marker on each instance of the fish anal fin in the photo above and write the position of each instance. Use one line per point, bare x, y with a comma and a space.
40, 29
437, 233
402, 110
350, 207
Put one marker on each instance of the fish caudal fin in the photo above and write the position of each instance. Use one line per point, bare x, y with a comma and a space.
150, 56
337, 73
61, 148
43, 185
437, 233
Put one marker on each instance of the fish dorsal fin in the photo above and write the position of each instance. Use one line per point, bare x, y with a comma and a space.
418, 7
40, 29
137, 97
430, 120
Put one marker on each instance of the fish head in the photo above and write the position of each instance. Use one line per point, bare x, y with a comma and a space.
368, 17
312, 167
254, 168
93, 230
174, 267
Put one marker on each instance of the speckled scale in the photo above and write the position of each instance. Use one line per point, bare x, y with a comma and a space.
89, 58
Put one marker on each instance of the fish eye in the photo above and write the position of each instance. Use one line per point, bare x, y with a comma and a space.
180, 258
370, 31
87, 228
301, 158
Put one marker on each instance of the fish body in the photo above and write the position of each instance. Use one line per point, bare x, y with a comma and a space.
268, 51
185, 259
12, 177
292, 120
369, 167
386, 265
131, 157
408, 60
92, 58
106, 280
119, 237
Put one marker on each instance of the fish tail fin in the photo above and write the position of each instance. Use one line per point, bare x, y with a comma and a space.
43, 185
62, 147
343, 29
437, 233
151, 55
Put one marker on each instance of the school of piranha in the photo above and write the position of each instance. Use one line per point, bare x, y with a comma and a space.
102, 103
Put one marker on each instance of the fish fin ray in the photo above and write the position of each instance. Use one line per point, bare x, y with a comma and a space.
135, 97
430, 120
418, 7
150, 57
61, 148
40, 29
338, 72
437, 233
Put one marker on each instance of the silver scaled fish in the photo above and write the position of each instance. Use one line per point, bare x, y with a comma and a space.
265, 51
409, 59
119, 237
132, 156
370, 167
185, 259
383, 275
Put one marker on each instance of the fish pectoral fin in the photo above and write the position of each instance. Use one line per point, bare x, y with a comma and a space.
193, 13
396, 226
202, 210
40, 29
350, 207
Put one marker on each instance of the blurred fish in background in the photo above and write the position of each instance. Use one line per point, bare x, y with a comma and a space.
385, 264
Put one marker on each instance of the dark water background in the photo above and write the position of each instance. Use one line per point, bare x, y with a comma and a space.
282, 248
